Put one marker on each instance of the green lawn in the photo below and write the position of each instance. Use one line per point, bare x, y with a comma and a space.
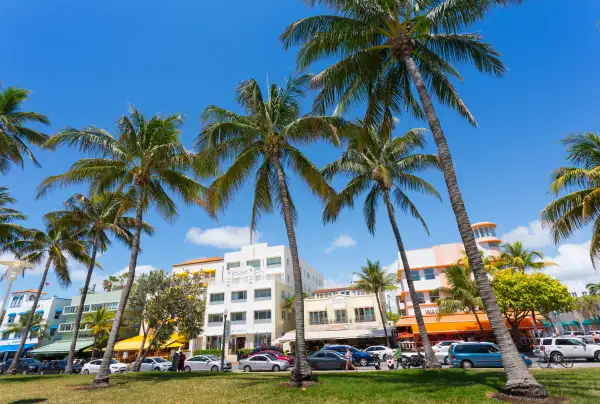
411, 386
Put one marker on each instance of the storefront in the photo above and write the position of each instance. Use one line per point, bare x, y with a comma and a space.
127, 350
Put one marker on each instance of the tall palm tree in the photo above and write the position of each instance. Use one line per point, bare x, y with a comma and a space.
14, 132
266, 136
515, 256
52, 247
109, 283
289, 303
580, 184
142, 163
386, 167
99, 217
593, 288
100, 323
38, 328
9, 230
588, 306
398, 44
372, 278
461, 294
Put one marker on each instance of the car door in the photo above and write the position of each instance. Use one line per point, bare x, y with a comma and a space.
493, 357
146, 365
332, 361
564, 346
578, 348
260, 362
95, 366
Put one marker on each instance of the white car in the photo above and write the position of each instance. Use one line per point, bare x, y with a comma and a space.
589, 336
566, 347
115, 366
441, 351
381, 351
155, 364
206, 363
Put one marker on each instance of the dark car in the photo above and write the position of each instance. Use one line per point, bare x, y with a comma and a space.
58, 367
328, 360
363, 358
25, 366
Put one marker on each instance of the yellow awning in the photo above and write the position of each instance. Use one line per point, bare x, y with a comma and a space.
134, 343
174, 345
209, 270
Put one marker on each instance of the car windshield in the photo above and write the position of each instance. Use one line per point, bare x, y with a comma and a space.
271, 357
30, 361
159, 360
336, 354
114, 362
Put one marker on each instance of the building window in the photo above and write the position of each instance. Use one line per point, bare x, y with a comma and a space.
341, 316
239, 295
282, 294
112, 306
18, 335
231, 265
217, 297
215, 318
273, 262
317, 317
56, 316
429, 274
283, 315
420, 297
264, 294
364, 314
240, 316
415, 275
5, 335
16, 301
96, 307
262, 315
52, 332
11, 318
434, 296
253, 263
493, 245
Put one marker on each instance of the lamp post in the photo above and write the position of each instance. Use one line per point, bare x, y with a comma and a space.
14, 269
223, 339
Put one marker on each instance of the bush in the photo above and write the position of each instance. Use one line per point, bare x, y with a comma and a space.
244, 351
216, 352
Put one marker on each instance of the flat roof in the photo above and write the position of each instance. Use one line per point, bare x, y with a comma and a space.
351, 287
26, 291
199, 261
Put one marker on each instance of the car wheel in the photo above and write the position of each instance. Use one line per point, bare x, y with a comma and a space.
363, 362
446, 360
157, 369
41, 372
215, 368
276, 368
247, 369
556, 357
60, 372
85, 372
314, 366
597, 356
466, 364
24, 372
187, 369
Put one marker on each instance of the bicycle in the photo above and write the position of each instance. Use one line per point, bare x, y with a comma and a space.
556, 359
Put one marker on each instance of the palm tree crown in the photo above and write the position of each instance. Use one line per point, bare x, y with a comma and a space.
99, 321
516, 257
593, 288
38, 328
14, 131
461, 293
8, 229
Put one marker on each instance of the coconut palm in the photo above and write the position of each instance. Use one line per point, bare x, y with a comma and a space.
142, 163
516, 257
461, 294
8, 229
99, 217
387, 48
110, 283
14, 132
100, 322
372, 278
37, 330
588, 307
579, 185
266, 136
289, 303
593, 288
387, 168
53, 248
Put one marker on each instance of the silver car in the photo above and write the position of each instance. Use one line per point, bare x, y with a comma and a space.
155, 364
206, 363
263, 362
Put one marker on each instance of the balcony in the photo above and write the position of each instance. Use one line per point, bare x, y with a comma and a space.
364, 319
88, 308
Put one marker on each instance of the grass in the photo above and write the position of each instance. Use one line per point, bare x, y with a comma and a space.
409, 386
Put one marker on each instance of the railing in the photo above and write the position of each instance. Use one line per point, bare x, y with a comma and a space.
364, 320
88, 308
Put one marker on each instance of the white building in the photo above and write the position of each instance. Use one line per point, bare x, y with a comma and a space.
21, 303
250, 286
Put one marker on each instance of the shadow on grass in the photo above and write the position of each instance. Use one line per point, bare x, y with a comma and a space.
29, 401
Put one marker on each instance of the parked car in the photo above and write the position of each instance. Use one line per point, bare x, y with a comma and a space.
155, 364
206, 363
381, 351
278, 355
571, 348
57, 367
572, 334
441, 350
362, 358
25, 366
469, 355
114, 367
328, 360
263, 362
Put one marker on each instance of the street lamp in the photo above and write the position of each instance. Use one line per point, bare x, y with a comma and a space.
223, 338
15, 268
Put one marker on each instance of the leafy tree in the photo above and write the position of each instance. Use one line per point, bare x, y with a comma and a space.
593, 288
386, 168
387, 48
372, 278
52, 247
588, 306
394, 317
145, 161
37, 329
14, 132
580, 184
518, 293
9, 231
98, 218
462, 294
100, 322
266, 136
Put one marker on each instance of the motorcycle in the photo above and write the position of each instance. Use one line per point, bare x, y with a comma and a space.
415, 361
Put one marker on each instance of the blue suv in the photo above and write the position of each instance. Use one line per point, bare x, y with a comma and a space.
469, 355
359, 356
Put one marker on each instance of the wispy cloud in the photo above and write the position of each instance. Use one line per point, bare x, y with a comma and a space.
343, 241
221, 237
534, 235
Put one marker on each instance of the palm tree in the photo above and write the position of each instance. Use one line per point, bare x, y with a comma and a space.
374, 279
289, 303
100, 322
593, 288
98, 217
588, 306
462, 294
386, 48
38, 328
54, 247
385, 167
266, 137
145, 161
14, 131
580, 206
109, 283
517, 257
8, 229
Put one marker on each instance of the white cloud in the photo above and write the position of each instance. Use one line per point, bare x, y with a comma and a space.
574, 268
343, 241
340, 281
533, 236
222, 237
99, 276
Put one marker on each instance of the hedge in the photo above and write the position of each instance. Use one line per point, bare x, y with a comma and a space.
207, 352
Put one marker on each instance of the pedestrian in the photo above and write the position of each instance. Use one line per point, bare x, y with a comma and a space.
182, 358
398, 355
348, 357
596, 338
175, 362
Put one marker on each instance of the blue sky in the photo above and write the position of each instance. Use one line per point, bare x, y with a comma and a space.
87, 61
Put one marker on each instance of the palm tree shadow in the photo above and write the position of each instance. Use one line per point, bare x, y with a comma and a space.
29, 401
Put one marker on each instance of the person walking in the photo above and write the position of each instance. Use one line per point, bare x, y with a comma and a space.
175, 362
398, 355
348, 357
182, 358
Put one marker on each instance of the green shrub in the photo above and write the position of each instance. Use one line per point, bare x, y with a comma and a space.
216, 352
244, 351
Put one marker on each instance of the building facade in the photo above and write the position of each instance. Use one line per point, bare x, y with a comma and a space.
248, 287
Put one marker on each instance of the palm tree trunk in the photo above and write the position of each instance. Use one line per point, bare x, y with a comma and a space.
430, 359
84, 291
383, 321
519, 381
474, 311
535, 330
13, 366
102, 378
301, 370
138, 359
